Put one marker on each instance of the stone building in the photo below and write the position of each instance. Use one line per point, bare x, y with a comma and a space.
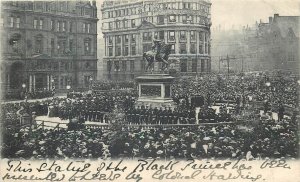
129, 28
48, 44
276, 44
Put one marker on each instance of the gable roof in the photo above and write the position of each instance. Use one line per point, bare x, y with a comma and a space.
146, 25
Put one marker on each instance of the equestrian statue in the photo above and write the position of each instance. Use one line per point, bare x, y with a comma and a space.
160, 53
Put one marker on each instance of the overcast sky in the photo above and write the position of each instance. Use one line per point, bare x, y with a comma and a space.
243, 12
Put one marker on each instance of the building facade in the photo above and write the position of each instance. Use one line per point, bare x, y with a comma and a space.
48, 44
129, 28
276, 44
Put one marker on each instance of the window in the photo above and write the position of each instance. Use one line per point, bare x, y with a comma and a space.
14, 42
124, 65
133, 50
118, 24
182, 48
11, 21
117, 65
202, 65
38, 44
86, 27
61, 46
184, 19
118, 39
87, 46
182, 35
183, 65
125, 53
63, 26
193, 48
173, 49
147, 47
18, 22
125, 24
126, 38
194, 65
160, 20
172, 18
192, 36
201, 36
159, 35
171, 35
118, 51
201, 49
133, 38
35, 23
41, 24
131, 65
190, 19
71, 27
71, 45
52, 46
110, 25
147, 36
110, 40
110, 51
52, 25
58, 26
133, 23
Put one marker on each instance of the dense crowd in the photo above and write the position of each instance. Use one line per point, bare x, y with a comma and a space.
263, 138
267, 139
163, 115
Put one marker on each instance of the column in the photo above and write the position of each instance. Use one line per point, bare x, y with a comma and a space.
33, 82
162, 90
30, 83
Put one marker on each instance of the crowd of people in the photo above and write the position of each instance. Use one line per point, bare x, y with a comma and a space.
163, 115
267, 139
264, 138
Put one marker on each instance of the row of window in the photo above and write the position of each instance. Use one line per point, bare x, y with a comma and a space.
55, 25
63, 6
184, 19
116, 66
156, 7
203, 49
147, 37
62, 66
63, 47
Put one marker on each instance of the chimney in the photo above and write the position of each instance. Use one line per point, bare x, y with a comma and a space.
270, 19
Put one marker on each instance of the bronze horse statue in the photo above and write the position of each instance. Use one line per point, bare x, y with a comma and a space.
160, 53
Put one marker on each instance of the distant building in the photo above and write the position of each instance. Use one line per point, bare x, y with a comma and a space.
129, 28
276, 45
47, 44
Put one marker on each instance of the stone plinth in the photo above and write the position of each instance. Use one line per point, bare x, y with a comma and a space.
155, 90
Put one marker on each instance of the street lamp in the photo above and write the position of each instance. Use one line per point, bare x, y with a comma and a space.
91, 82
68, 87
24, 91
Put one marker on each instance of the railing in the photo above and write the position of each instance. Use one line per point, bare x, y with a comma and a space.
106, 126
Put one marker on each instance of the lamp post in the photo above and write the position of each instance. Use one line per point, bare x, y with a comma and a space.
24, 91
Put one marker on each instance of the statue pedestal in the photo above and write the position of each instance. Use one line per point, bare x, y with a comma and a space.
155, 90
